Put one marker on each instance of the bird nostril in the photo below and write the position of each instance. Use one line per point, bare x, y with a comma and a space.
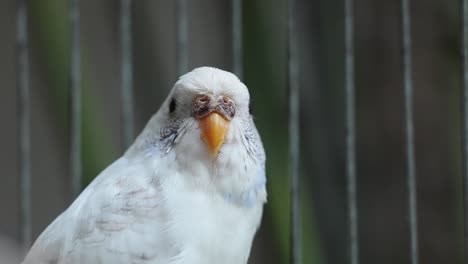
201, 106
203, 99
226, 107
226, 101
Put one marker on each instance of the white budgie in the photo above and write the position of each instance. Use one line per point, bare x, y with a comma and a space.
189, 190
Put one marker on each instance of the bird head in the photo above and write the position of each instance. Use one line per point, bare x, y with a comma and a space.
207, 111
213, 104
205, 124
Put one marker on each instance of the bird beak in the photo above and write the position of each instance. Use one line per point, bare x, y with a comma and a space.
213, 130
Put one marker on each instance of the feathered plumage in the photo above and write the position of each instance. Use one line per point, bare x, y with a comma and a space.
167, 200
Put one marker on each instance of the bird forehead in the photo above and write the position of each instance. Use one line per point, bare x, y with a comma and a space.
207, 80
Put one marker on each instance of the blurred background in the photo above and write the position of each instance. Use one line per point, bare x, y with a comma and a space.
382, 191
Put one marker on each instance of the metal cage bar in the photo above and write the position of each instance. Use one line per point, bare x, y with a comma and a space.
237, 56
409, 127
353, 237
182, 36
75, 99
293, 83
127, 73
24, 115
464, 81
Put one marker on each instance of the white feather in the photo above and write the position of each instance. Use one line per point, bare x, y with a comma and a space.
178, 207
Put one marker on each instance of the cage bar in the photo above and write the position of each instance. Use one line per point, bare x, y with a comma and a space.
75, 99
464, 81
237, 56
353, 236
409, 127
127, 73
293, 83
182, 36
24, 116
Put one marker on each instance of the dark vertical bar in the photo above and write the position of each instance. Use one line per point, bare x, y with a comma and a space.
293, 82
182, 36
24, 113
353, 239
464, 74
75, 99
409, 127
127, 72
237, 38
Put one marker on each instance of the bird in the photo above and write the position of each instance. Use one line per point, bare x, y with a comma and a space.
190, 189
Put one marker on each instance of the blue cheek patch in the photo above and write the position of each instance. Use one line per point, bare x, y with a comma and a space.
261, 177
154, 149
249, 197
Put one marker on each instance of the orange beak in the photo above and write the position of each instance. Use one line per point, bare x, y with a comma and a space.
213, 130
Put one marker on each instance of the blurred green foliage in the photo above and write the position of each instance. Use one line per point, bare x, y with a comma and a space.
50, 19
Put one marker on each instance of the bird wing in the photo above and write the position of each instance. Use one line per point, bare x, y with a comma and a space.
119, 218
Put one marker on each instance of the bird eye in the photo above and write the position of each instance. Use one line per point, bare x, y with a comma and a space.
172, 106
